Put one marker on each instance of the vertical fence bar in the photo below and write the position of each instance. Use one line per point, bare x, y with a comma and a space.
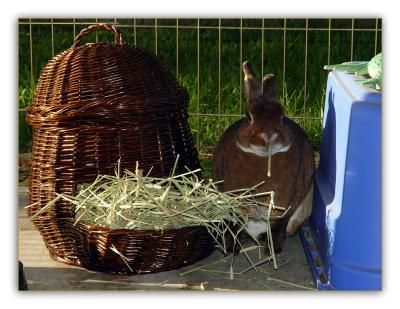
329, 41
376, 36
219, 76
52, 37
352, 39
284, 64
31, 52
198, 87
177, 48
305, 74
240, 63
74, 28
262, 53
321, 110
97, 33
155, 33
134, 31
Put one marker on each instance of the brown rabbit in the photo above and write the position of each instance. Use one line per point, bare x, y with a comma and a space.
241, 159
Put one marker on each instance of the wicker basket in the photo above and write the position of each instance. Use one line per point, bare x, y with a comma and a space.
95, 104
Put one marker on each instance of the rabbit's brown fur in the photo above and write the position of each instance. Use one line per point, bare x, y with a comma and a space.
240, 158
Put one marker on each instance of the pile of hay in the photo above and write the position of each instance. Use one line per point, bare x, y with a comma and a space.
136, 201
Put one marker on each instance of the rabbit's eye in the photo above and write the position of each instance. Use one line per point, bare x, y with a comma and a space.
267, 103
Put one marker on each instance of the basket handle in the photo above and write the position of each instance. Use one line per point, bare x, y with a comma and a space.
84, 32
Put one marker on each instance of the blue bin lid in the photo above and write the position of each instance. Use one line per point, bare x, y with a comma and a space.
356, 90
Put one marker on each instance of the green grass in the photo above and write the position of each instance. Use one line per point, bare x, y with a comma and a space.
211, 92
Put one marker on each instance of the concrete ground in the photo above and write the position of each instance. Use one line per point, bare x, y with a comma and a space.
43, 273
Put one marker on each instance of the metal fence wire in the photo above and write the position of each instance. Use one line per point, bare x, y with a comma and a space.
206, 57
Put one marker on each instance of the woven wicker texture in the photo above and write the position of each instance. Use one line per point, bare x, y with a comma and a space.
95, 104
144, 251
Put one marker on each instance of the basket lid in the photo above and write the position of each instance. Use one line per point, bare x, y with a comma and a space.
85, 78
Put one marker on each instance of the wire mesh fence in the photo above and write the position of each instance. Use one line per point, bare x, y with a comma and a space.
206, 57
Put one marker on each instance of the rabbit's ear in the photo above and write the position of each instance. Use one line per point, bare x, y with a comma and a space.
252, 86
269, 87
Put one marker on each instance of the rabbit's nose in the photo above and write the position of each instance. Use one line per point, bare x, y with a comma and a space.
269, 137
272, 136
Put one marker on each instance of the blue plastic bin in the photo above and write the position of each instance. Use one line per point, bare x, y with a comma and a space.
343, 239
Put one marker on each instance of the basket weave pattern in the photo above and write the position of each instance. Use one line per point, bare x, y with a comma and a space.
95, 104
